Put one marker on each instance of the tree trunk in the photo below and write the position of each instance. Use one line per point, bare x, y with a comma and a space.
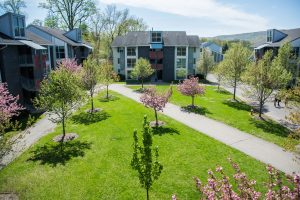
261, 103
147, 194
193, 101
106, 91
92, 102
234, 88
156, 119
218, 87
142, 83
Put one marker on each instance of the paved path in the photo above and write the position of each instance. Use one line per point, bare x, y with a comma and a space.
31, 136
276, 113
266, 152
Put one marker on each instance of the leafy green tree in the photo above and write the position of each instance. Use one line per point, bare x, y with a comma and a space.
235, 61
149, 168
60, 94
70, 13
264, 77
14, 6
51, 21
206, 62
107, 75
219, 71
90, 77
142, 70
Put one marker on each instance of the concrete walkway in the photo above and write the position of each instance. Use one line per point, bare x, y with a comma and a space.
264, 151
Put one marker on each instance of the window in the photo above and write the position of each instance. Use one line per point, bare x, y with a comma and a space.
78, 35
45, 53
120, 50
181, 63
156, 37
129, 74
19, 26
269, 36
60, 52
130, 63
194, 62
200, 50
181, 51
194, 49
118, 60
131, 51
296, 52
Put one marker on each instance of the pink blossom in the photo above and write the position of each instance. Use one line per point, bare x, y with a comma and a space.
9, 106
69, 64
190, 87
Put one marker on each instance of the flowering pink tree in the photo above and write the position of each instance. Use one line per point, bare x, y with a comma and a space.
190, 87
221, 188
153, 99
69, 64
9, 107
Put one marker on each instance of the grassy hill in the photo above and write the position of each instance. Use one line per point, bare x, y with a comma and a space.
253, 37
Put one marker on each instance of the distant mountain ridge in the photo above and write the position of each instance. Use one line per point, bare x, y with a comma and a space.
253, 37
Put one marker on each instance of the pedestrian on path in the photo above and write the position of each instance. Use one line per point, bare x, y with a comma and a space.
275, 101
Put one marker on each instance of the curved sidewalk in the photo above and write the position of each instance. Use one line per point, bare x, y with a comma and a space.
262, 150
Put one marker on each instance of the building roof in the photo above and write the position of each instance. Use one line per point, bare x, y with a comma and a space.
292, 34
37, 39
212, 46
170, 38
6, 40
193, 40
58, 34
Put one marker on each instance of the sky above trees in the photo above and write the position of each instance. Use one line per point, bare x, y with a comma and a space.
204, 18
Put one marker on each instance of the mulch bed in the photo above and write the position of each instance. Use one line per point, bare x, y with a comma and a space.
68, 137
8, 196
153, 124
93, 111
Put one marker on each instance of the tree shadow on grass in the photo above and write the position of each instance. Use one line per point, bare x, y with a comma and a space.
237, 105
222, 91
54, 154
271, 127
110, 98
164, 130
89, 118
195, 109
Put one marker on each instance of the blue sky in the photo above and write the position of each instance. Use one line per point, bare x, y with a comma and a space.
203, 17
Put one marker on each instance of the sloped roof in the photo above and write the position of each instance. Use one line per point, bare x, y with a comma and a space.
58, 34
292, 34
142, 38
37, 39
193, 40
6, 40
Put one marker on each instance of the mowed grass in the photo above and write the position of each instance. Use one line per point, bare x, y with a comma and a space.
97, 164
217, 105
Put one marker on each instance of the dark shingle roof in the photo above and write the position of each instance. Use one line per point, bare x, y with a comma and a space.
37, 39
193, 40
292, 34
4, 39
58, 34
142, 38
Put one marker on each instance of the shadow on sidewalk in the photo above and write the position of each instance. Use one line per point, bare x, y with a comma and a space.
54, 154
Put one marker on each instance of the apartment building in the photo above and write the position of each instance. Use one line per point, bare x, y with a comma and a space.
27, 55
173, 54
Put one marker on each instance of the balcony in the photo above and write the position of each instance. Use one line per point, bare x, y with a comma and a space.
26, 60
157, 66
156, 55
30, 84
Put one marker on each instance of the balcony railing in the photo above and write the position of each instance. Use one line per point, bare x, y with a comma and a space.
157, 66
30, 84
26, 59
156, 55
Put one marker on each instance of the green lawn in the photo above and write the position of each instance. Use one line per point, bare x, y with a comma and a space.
216, 105
97, 164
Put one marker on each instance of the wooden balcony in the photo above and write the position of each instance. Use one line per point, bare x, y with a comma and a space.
157, 66
156, 55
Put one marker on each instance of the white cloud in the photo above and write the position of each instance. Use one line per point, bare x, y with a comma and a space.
203, 9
